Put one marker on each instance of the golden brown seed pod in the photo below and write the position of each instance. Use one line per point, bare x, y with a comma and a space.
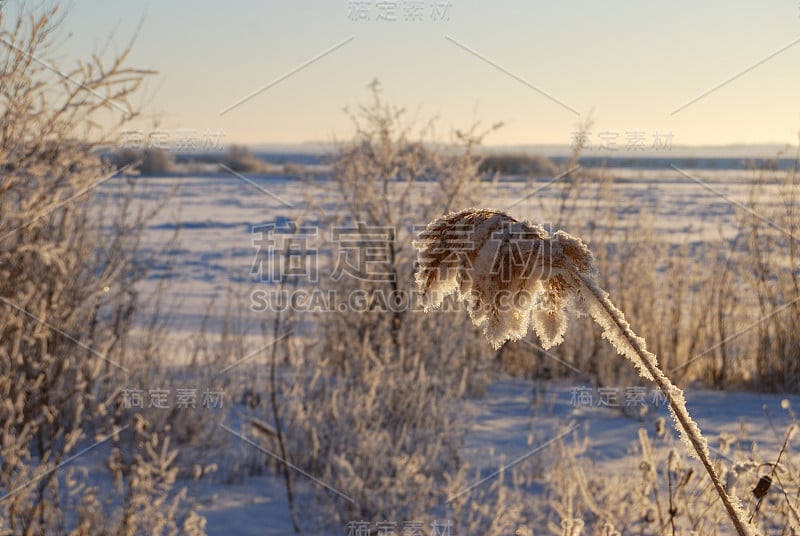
511, 274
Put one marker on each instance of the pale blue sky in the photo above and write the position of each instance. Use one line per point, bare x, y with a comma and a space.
633, 63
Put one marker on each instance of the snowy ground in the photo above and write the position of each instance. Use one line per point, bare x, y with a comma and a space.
215, 253
513, 421
216, 215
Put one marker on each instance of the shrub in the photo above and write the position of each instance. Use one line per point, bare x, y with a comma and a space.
68, 274
372, 407
519, 164
240, 159
149, 161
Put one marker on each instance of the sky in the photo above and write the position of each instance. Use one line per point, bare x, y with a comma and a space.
699, 73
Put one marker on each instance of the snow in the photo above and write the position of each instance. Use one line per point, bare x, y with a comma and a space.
215, 252
216, 214
513, 418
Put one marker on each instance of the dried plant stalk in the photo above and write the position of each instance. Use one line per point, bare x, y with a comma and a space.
514, 275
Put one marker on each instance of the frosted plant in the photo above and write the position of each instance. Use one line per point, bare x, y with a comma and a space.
510, 273
572, 527
514, 275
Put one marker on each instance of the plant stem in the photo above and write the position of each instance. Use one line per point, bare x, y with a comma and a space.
666, 386
273, 396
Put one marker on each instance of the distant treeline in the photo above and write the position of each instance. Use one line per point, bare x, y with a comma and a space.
242, 159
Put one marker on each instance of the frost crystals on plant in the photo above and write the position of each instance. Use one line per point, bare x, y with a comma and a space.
513, 275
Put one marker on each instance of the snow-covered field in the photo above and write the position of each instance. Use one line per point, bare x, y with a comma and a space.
215, 215
515, 419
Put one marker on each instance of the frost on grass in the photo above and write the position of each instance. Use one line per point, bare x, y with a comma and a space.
514, 275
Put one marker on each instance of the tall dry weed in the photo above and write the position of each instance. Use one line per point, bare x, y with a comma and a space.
544, 274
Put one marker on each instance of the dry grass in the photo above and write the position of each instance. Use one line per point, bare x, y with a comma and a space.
68, 277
